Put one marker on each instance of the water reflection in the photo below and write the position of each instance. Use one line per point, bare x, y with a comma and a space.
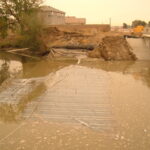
10, 112
44, 67
10, 66
16, 94
4, 72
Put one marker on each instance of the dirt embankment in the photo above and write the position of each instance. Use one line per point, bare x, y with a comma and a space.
113, 48
106, 45
74, 39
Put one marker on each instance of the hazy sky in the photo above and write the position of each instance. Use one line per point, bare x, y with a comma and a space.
99, 11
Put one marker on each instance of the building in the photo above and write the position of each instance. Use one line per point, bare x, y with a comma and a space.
146, 32
71, 20
51, 16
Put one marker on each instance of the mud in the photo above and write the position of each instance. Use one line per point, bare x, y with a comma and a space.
113, 48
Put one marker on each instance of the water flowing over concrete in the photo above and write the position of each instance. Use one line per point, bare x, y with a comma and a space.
140, 48
80, 95
79, 103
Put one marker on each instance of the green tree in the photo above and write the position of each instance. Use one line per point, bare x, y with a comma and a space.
136, 23
3, 26
15, 10
125, 26
23, 16
149, 23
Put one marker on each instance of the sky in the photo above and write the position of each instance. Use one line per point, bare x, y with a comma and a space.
99, 11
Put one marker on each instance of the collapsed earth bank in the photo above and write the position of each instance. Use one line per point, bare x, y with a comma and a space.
106, 45
113, 48
96, 43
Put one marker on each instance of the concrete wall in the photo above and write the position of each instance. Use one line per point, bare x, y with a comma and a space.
52, 18
146, 30
75, 21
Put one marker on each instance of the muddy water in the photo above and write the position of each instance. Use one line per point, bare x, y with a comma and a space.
60, 104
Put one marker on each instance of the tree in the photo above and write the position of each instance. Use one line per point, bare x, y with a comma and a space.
16, 10
149, 23
125, 26
23, 15
3, 26
136, 23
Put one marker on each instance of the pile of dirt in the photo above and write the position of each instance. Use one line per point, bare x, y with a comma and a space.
113, 48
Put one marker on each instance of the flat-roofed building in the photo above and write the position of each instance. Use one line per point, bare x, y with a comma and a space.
146, 32
71, 20
51, 16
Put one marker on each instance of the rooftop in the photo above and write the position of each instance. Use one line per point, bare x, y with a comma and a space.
49, 8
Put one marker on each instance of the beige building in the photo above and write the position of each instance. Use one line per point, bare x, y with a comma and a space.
51, 16
146, 31
71, 20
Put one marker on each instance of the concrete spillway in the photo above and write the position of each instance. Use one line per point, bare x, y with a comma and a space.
141, 48
81, 97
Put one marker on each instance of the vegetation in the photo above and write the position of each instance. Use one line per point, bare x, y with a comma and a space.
4, 72
22, 17
136, 23
3, 27
125, 26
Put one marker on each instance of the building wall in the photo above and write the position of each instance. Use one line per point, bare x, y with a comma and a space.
52, 18
146, 30
75, 21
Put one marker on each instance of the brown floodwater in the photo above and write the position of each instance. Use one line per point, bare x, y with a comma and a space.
60, 104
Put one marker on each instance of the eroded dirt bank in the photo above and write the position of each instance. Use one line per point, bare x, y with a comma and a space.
106, 45
113, 48
74, 38
103, 43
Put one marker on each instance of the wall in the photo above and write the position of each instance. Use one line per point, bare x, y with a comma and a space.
75, 21
49, 18
146, 30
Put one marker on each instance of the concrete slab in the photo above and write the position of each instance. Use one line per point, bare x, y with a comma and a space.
81, 96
